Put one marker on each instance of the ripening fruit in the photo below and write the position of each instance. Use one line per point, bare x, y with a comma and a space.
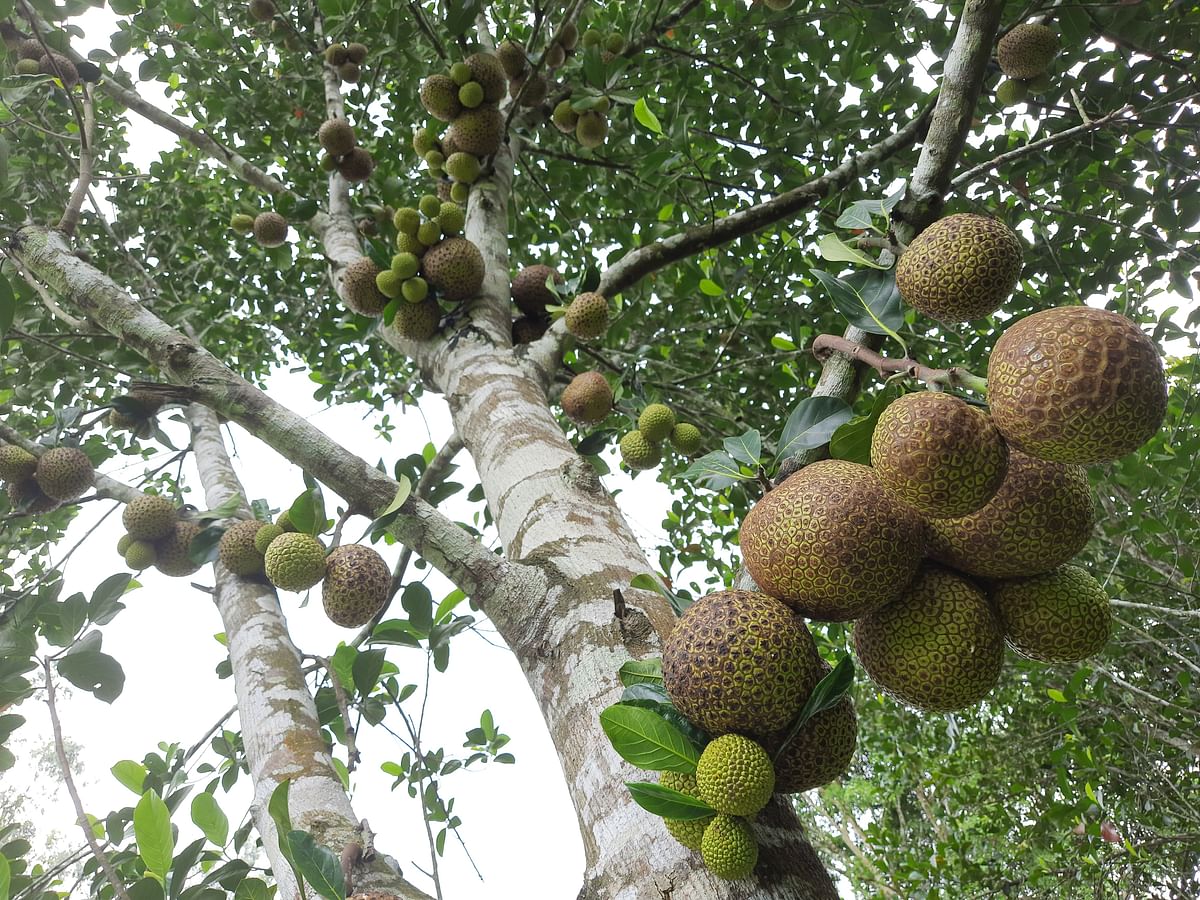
1027, 51
591, 129
356, 585
59, 67
728, 848
295, 561
820, 752
360, 289
588, 399
174, 551
241, 223
356, 53
439, 96
512, 59
454, 268
686, 438
452, 219
530, 291
407, 220
459, 192
237, 550
587, 316
65, 473
336, 137
1011, 92
16, 463
656, 422
430, 206
414, 289
638, 452
429, 233
27, 67
388, 282
405, 265
555, 56
460, 73
140, 555
735, 775
336, 55
488, 71
264, 536
418, 321
270, 229
1060, 617
357, 165
149, 517
478, 131
349, 72
564, 117
470, 94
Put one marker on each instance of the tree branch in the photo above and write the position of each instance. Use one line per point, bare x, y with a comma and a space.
87, 156
825, 345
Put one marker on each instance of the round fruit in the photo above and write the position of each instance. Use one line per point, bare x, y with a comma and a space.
454, 268
439, 96
488, 71
1060, 617
418, 321
295, 561
528, 329
728, 848
336, 137
686, 438
264, 536
478, 131
237, 550
820, 752
735, 775
357, 165
529, 290
16, 463
174, 550
270, 229
689, 832
360, 289
588, 399
356, 586
656, 422
25, 496
149, 517
639, 452
140, 555
1027, 51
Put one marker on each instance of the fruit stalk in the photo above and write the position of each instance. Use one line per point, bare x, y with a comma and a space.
824, 345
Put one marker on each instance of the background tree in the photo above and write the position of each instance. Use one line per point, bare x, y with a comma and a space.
738, 137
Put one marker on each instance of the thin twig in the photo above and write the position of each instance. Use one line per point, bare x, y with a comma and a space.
824, 345
87, 155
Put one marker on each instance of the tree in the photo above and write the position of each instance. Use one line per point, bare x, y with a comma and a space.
738, 137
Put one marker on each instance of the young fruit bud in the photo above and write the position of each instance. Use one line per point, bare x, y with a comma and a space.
470, 94
460, 73
414, 290
241, 223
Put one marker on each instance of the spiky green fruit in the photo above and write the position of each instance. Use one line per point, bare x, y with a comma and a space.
270, 229
237, 551
656, 422
423, 141
439, 96
938, 648
639, 452
356, 53
488, 70
820, 752
405, 265
359, 287
418, 321
65, 473
357, 165
264, 536
961, 267
408, 243
452, 219
434, 161
1076, 384
591, 129
530, 289
459, 192
295, 561
735, 775
588, 399
715, 667
460, 73
689, 832
140, 555
25, 496
414, 289
463, 167
429, 233
728, 848
123, 543
407, 220
470, 94
686, 438
16, 463
478, 131
564, 117
831, 543
1027, 51
587, 316
1060, 617
939, 455
174, 551
149, 517
336, 137
592, 38
27, 67
241, 223
454, 268
1041, 516
1011, 92
356, 585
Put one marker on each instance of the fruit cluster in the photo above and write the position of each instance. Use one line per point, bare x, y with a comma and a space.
155, 535
38, 484
642, 448
32, 59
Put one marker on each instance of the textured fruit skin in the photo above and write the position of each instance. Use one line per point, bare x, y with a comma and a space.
1010, 93
638, 452
237, 549
941, 456
356, 53
25, 495
140, 555
959, 268
16, 462
512, 58
462, 167
591, 129
1042, 516
295, 561
656, 422
527, 329
357, 165
264, 536
59, 67
439, 96
270, 229
1060, 617
487, 69
360, 289
123, 543
149, 517
336, 137
735, 775
529, 289
820, 753
739, 661
686, 438
173, 557
831, 543
588, 399
356, 585
65, 473
564, 117
418, 321
938, 648
455, 268
688, 832
728, 848
478, 131
587, 316
1076, 384
1027, 51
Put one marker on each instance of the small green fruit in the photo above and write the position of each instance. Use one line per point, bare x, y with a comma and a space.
295, 561
459, 192
686, 438
407, 220
388, 282
470, 94
430, 206
241, 223
728, 848
405, 265
463, 167
415, 290
460, 73
638, 452
264, 536
429, 233
656, 422
452, 218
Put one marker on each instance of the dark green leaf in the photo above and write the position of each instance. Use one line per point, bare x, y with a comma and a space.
319, 866
638, 671
828, 692
642, 737
95, 672
667, 802
811, 424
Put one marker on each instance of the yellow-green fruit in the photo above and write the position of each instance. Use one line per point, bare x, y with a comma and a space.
149, 517
588, 399
1042, 516
460, 73
454, 268
1039, 85
459, 192
360, 289
65, 473
328, 163
656, 422
174, 556
27, 67
528, 329
418, 321
478, 131
587, 316
831, 543
408, 243
959, 268
470, 94
530, 291
241, 223
564, 117
295, 561
820, 752
336, 137
735, 775
1060, 617
429, 233
1010, 93
591, 129
414, 290
592, 38
264, 536
463, 167
423, 141
439, 96
429, 205
16, 462
285, 521
555, 56
356, 53
270, 229
512, 59
452, 219
389, 283
405, 265
356, 585
938, 454
140, 555
357, 165
639, 452
1076, 384
728, 848
686, 438
1027, 51
335, 54
407, 220
434, 160
488, 71
739, 661
937, 648
615, 42
568, 35
25, 496
237, 549
689, 832
123, 543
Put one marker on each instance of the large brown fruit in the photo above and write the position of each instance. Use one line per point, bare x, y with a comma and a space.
24, 496
587, 399
174, 551
1042, 516
739, 661
237, 549
149, 517
478, 131
336, 136
1027, 51
356, 585
831, 543
65, 473
455, 268
529, 289
270, 229
1076, 385
359, 288
488, 70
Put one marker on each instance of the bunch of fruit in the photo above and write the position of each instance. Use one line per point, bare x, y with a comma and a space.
342, 152
38, 484
1025, 54
642, 448
157, 536
347, 59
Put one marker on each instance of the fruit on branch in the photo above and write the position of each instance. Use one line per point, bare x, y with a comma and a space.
1076, 384
1041, 516
489, 71
592, 38
264, 536
336, 137
460, 73
262, 10
529, 89
237, 550
478, 131
25, 496
60, 67
27, 67
408, 243
139, 555
831, 542
418, 321
295, 561
1011, 92
778, 5
452, 219
357, 165
686, 438
149, 517
407, 220
961, 267
16, 462
568, 35
458, 192
439, 96
555, 56
405, 265
591, 129
530, 291
285, 521
356, 53
527, 329
735, 775
820, 752
1027, 51
689, 832
587, 316
564, 117
359, 287
30, 48
423, 141
241, 223
336, 55
414, 290
65, 473
429, 232
638, 452
174, 551
270, 229
938, 648
454, 268
356, 586
1060, 617
714, 667
728, 847
656, 422
470, 95
938, 454
588, 399
389, 282
512, 58
463, 167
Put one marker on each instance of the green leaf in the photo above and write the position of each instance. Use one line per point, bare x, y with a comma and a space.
367, 667
95, 672
152, 830
852, 441
395, 631
828, 692
184, 861
811, 424
318, 865
104, 606
856, 308
418, 603
253, 889
1056, 695
277, 807
307, 512
745, 448
131, 774
402, 492
645, 739
641, 671
715, 471
833, 249
668, 802
5, 878
648, 582
210, 819
342, 662
646, 118
711, 288
461, 15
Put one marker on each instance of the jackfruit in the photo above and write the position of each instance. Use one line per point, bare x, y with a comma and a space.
360, 289
270, 229
149, 517
1060, 617
587, 316
735, 775
454, 268
639, 452
656, 422
295, 561
237, 549
356, 585
588, 399
728, 848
